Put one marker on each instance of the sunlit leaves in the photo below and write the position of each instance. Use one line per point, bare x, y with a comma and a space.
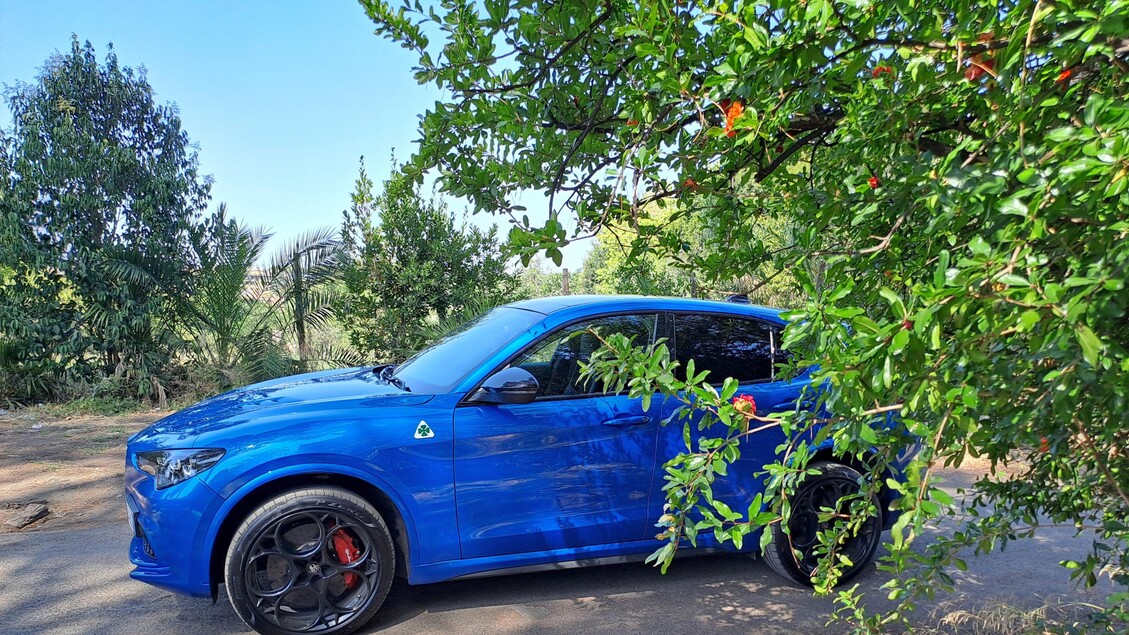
958, 176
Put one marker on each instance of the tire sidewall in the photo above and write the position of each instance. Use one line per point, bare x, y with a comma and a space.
779, 553
340, 501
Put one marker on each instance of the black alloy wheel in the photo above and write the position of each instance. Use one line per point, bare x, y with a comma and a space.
794, 556
310, 561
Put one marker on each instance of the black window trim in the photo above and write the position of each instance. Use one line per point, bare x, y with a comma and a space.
655, 336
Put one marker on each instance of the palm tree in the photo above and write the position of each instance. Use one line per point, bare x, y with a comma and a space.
243, 314
304, 273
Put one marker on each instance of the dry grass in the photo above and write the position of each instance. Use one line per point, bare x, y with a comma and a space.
1010, 617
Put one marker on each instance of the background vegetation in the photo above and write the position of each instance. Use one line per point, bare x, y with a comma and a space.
119, 286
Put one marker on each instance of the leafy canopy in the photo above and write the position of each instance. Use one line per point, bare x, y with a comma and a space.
99, 190
957, 172
408, 263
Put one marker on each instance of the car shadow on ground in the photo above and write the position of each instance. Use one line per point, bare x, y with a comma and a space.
77, 582
718, 593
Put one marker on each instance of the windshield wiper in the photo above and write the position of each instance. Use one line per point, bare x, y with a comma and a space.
385, 373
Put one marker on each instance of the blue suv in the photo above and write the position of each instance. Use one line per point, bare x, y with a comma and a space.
484, 453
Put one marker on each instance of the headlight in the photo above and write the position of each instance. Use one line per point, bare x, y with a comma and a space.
170, 467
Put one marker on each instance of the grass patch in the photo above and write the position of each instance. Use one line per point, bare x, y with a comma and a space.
102, 406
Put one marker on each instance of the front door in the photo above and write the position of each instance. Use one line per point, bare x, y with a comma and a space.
573, 468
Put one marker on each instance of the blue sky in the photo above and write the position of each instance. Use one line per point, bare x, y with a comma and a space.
281, 97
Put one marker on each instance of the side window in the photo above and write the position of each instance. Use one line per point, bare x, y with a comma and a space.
725, 346
555, 360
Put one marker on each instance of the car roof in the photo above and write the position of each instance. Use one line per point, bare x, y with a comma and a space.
560, 303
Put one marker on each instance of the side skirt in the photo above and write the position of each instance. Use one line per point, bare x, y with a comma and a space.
556, 560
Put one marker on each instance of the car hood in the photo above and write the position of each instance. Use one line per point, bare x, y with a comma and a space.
309, 392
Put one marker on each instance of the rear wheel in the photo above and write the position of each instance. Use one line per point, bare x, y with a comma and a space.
793, 555
315, 560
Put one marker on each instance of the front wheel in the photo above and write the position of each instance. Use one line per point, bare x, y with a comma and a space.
313, 560
793, 555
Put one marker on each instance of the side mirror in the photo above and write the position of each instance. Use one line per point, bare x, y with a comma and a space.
511, 385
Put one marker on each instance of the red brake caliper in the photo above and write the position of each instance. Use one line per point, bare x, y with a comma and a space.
347, 553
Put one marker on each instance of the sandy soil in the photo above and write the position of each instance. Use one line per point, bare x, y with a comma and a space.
74, 465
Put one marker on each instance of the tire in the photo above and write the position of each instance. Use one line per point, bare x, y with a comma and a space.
313, 560
833, 482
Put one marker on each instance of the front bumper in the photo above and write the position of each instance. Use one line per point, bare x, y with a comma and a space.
170, 528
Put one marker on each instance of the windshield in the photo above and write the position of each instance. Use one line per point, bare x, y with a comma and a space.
441, 366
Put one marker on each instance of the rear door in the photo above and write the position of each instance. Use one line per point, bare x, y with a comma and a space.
748, 350
571, 469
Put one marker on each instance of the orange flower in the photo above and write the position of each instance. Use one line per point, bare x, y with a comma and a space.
881, 69
733, 110
874, 183
632, 122
1065, 75
690, 184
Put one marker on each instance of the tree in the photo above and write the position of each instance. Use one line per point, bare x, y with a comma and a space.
307, 273
100, 191
962, 189
240, 314
658, 254
407, 262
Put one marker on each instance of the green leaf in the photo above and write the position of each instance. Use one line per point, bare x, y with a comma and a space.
867, 434
1091, 345
1013, 280
901, 339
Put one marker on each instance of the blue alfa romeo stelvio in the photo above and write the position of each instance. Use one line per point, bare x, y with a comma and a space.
482, 454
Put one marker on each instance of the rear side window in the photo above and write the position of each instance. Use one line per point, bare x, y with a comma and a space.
725, 346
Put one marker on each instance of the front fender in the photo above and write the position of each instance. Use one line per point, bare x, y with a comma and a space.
421, 501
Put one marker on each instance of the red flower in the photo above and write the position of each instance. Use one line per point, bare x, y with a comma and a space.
978, 68
907, 324
733, 110
632, 122
1044, 445
874, 183
881, 69
1065, 75
745, 404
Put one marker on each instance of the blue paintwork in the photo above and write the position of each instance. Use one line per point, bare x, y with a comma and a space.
498, 486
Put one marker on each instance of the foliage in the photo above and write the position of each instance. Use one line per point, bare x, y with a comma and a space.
539, 279
100, 406
622, 260
659, 252
406, 261
959, 212
240, 313
100, 188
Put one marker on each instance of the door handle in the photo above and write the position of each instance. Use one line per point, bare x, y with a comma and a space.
628, 421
